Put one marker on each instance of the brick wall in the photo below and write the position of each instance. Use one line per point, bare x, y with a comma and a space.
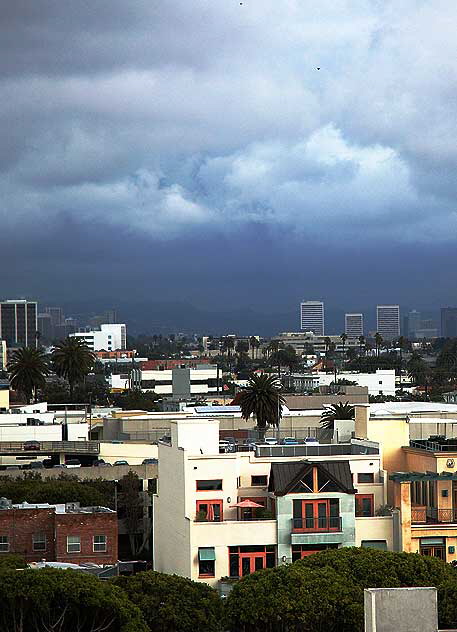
87, 526
20, 525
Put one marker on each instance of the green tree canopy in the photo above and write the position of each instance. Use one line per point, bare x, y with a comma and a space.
64, 600
294, 599
135, 399
33, 489
324, 591
28, 369
170, 603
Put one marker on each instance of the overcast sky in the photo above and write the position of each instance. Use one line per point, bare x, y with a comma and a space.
229, 154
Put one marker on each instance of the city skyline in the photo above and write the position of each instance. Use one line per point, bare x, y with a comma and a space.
162, 162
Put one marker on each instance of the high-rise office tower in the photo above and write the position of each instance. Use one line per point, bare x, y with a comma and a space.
449, 322
411, 323
388, 321
56, 314
353, 325
312, 317
19, 322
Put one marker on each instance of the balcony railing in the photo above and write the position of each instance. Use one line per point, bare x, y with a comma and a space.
314, 525
428, 515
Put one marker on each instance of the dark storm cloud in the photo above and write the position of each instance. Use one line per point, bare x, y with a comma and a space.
132, 128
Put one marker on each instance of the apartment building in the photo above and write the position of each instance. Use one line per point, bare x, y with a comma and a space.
303, 341
227, 515
59, 533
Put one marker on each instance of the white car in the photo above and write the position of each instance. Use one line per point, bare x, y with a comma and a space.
311, 441
271, 441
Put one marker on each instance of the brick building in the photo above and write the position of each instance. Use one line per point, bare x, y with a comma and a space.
59, 533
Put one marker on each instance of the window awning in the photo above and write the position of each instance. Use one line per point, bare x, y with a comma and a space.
207, 554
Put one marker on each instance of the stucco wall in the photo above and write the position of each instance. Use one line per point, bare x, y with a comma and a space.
376, 528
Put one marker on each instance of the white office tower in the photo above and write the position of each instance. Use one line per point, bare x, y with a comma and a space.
353, 325
388, 321
312, 317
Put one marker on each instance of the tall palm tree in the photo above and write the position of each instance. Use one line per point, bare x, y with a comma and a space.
343, 340
401, 345
28, 369
262, 398
254, 344
361, 344
336, 411
378, 341
72, 360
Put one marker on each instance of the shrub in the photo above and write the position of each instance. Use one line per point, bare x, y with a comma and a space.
170, 603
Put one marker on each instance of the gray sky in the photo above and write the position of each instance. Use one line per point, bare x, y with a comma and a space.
193, 150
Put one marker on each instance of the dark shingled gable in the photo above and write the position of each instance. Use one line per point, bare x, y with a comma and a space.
283, 476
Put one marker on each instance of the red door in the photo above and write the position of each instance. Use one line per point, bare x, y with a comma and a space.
251, 562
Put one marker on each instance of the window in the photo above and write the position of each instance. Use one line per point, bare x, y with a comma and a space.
99, 543
73, 544
206, 562
244, 560
364, 505
316, 515
39, 542
365, 477
4, 544
375, 544
209, 510
209, 486
299, 551
259, 481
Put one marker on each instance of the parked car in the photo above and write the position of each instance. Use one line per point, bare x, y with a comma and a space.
150, 461
105, 464
311, 441
226, 446
289, 441
59, 466
73, 463
36, 465
271, 441
121, 462
31, 445
12, 467
97, 462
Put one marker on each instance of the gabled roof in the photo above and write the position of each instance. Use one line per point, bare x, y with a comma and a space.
285, 476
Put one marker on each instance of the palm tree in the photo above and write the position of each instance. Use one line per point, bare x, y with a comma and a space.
327, 342
343, 340
72, 360
254, 344
401, 344
336, 411
262, 398
378, 341
361, 344
28, 369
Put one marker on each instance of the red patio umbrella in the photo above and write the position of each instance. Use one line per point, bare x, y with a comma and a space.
247, 504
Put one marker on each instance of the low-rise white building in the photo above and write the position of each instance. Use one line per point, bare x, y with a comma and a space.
180, 383
380, 383
110, 337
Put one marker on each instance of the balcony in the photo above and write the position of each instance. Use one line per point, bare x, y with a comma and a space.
317, 525
429, 515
